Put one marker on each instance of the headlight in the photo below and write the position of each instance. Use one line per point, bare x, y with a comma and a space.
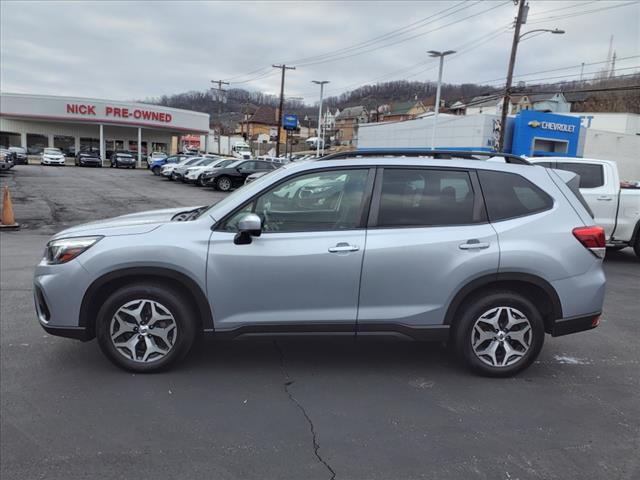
65, 249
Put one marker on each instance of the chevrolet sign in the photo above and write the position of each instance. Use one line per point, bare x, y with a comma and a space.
559, 127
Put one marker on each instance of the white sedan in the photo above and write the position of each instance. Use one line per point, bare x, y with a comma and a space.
168, 169
52, 156
194, 174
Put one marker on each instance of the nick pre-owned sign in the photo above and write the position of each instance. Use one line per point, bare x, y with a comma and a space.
49, 108
120, 112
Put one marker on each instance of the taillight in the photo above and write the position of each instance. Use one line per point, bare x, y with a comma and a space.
592, 238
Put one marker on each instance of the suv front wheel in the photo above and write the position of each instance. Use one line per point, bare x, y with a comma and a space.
143, 328
499, 334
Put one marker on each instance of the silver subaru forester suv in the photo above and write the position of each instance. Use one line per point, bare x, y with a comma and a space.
485, 252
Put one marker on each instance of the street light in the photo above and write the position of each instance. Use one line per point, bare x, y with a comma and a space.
441, 55
321, 83
555, 31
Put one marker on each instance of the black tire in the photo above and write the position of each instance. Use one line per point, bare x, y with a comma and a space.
156, 170
478, 306
223, 183
200, 182
133, 167
184, 317
636, 246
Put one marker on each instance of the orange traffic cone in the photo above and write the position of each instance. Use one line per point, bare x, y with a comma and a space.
8, 220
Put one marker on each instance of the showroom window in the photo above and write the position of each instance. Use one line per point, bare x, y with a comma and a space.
425, 197
36, 143
320, 201
509, 195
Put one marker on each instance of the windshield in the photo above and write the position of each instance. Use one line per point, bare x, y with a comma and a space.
52, 151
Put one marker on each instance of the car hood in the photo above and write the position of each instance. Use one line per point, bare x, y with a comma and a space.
131, 224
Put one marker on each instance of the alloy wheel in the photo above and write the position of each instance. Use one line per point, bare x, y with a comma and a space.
143, 330
501, 337
224, 184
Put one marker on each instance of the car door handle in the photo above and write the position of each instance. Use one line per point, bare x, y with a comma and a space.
473, 245
343, 247
604, 199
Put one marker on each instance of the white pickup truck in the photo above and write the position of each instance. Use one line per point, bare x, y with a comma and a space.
615, 208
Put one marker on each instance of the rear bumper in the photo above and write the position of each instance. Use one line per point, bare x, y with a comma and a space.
565, 326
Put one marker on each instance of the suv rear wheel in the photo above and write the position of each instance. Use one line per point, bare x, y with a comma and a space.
499, 334
144, 328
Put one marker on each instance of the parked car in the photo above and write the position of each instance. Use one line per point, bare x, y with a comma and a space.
20, 156
235, 174
485, 255
615, 208
194, 173
156, 165
52, 156
35, 150
6, 159
180, 170
168, 169
89, 157
255, 176
123, 158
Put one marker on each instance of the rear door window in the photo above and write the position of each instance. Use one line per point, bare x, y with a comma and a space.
425, 197
591, 175
509, 195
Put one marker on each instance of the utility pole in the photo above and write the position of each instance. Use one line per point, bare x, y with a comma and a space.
520, 19
220, 96
283, 68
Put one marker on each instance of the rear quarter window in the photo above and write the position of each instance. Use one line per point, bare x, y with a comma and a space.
591, 175
509, 195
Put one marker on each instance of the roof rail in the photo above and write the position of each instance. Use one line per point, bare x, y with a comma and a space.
438, 154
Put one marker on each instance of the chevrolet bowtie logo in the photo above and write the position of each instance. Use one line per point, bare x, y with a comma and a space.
534, 123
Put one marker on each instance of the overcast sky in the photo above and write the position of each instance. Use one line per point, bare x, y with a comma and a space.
137, 50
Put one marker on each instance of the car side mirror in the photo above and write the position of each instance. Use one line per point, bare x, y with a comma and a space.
248, 226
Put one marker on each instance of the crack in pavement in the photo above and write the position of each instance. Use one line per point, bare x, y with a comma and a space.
288, 382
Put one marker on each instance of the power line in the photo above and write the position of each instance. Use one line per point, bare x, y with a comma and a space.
394, 33
578, 14
409, 38
557, 69
399, 31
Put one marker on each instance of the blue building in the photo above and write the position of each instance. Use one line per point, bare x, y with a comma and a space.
537, 134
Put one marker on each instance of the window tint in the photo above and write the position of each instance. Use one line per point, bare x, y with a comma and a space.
591, 176
509, 195
424, 197
319, 201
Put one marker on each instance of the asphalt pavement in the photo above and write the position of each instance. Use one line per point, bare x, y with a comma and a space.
296, 409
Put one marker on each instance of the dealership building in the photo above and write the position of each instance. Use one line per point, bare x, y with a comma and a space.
71, 124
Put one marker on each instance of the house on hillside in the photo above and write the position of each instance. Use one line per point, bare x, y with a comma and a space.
401, 111
539, 102
347, 122
458, 108
262, 121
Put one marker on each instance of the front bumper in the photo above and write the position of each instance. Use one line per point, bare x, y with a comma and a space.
90, 161
565, 326
53, 161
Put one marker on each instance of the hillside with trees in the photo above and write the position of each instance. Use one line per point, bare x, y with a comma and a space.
615, 94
